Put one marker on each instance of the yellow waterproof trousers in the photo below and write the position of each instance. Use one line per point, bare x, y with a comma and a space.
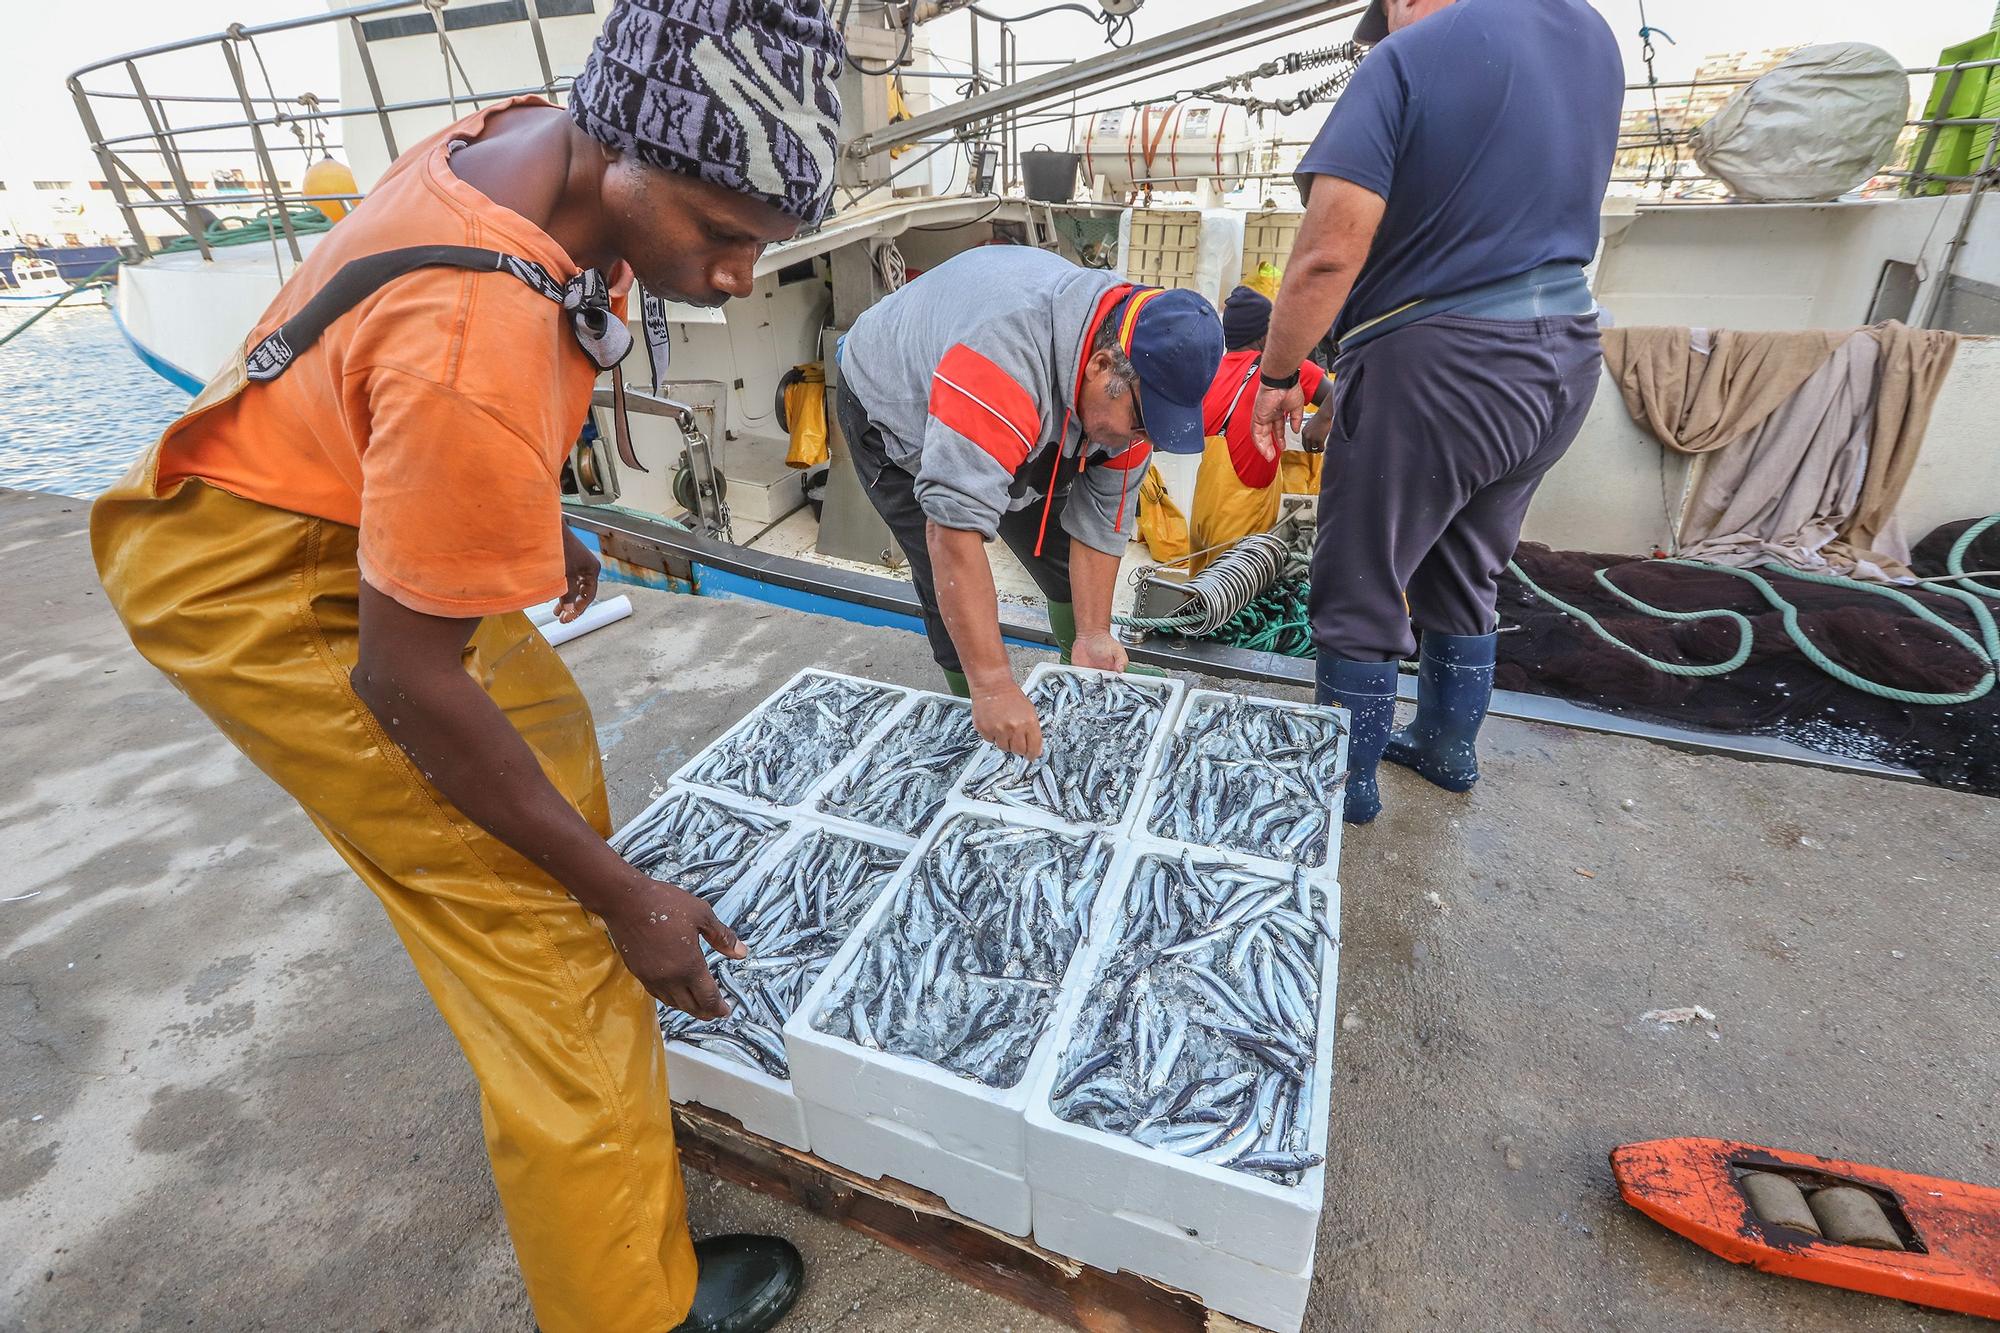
253, 613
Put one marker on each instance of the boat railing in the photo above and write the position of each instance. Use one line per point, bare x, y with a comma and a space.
176, 130
249, 133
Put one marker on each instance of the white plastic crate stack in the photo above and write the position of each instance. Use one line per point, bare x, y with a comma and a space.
949, 937
1178, 1129
915, 1051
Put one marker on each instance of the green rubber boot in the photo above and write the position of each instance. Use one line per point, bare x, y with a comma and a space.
956, 682
1062, 624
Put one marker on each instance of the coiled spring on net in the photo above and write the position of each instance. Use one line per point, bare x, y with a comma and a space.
1220, 592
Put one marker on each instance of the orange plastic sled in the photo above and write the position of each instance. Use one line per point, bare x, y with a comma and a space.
1950, 1230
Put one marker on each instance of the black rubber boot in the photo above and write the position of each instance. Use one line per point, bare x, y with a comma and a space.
1454, 685
746, 1284
1367, 690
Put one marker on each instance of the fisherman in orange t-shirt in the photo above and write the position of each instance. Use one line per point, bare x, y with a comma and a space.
330, 554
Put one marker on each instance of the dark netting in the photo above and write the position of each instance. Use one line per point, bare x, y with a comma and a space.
1929, 557
1777, 692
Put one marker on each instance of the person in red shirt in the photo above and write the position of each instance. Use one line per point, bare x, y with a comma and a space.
1238, 487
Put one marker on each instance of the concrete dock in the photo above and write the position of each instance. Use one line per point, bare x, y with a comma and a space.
226, 1103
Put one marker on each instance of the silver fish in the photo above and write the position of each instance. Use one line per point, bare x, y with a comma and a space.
795, 738
1199, 1033
791, 919
1259, 778
962, 968
903, 782
1095, 733
696, 842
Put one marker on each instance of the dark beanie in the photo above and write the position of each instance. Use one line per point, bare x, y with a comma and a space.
740, 93
1246, 317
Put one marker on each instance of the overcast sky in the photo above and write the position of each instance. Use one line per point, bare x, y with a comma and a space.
40, 136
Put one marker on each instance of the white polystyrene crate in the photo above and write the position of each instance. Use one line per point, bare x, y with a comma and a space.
1160, 778
961, 1116
864, 753
875, 1146
1172, 692
1229, 1284
802, 800
765, 1105
1215, 1206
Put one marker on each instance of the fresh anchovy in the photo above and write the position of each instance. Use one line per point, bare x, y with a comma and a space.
795, 738
903, 782
791, 920
1199, 1032
696, 842
1252, 777
962, 969
1095, 733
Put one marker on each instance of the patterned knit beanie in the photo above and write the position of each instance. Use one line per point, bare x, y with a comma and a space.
740, 93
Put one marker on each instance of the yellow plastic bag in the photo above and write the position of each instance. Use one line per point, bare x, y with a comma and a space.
1225, 510
805, 411
1162, 526
1266, 279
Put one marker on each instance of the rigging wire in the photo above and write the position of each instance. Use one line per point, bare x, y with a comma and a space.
1648, 52
1345, 58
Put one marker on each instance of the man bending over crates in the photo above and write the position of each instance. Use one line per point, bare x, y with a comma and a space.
1008, 392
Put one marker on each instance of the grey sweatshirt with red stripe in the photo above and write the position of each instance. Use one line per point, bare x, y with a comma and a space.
969, 372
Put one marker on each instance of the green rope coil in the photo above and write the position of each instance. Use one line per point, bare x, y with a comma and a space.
260, 228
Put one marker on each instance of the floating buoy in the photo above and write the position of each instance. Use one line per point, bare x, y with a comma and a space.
325, 177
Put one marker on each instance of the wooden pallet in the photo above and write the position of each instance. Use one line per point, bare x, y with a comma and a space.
921, 1225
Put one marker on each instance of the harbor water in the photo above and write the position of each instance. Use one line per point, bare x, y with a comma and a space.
76, 405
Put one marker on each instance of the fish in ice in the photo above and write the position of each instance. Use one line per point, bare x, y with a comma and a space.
795, 738
962, 969
1260, 778
902, 782
1199, 1034
792, 918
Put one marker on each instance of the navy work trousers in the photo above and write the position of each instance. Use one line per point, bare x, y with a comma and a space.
1441, 432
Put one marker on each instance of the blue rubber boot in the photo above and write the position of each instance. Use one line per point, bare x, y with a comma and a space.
1367, 690
1454, 685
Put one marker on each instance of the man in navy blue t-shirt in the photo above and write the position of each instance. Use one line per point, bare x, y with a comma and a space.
1452, 201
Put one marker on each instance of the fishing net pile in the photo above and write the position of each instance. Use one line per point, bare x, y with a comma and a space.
1777, 692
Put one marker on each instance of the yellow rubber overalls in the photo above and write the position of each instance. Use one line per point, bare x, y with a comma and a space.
252, 612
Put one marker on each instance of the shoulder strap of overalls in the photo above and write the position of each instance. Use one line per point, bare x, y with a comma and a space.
587, 297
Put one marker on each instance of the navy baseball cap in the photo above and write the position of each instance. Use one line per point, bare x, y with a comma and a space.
1176, 346
1374, 25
